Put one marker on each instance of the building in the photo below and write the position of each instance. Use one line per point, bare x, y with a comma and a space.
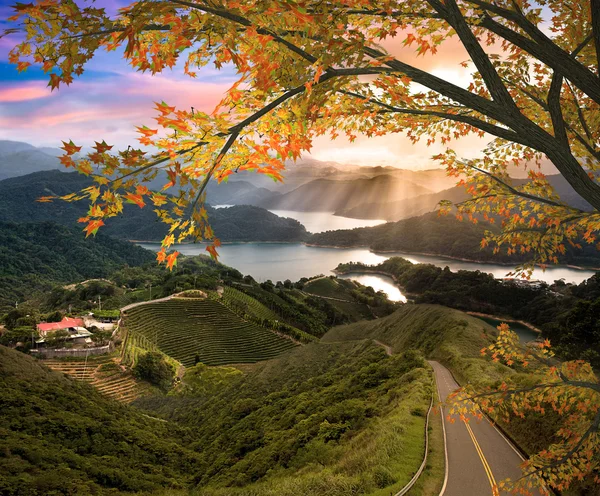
67, 324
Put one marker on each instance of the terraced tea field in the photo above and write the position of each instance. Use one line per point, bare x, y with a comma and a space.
104, 374
232, 296
183, 328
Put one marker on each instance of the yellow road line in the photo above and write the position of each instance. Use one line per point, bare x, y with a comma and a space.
486, 466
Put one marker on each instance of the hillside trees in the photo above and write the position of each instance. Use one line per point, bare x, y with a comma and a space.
152, 367
311, 68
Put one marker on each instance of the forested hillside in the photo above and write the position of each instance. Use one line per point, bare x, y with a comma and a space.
35, 256
321, 419
566, 313
241, 223
440, 235
62, 437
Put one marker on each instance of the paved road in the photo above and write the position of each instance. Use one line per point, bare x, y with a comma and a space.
478, 455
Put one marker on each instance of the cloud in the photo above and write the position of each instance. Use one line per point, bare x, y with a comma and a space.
91, 110
24, 92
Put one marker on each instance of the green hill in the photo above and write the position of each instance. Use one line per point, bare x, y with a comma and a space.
34, 256
321, 420
186, 328
61, 437
441, 333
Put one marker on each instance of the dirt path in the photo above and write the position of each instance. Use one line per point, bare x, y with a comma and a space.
387, 348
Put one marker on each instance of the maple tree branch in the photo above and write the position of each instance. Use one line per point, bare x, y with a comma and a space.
228, 144
246, 22
466, 119
594, 427
516, 192
158, 162
555, 110
450, 11
516, 391
580, 115
589, 145
117, 29
441, 86
550, 54
595, 7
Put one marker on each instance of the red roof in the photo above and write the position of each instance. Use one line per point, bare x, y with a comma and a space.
63, 324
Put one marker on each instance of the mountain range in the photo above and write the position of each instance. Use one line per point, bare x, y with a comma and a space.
18, 204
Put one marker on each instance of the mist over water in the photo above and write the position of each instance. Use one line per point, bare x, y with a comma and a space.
317, 222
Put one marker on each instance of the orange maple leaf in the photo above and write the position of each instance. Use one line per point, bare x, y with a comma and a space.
172, 260
92, 227
136, 199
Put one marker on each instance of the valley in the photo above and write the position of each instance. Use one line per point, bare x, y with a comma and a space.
305, 361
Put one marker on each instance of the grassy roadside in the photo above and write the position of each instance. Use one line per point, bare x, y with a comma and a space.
431, 480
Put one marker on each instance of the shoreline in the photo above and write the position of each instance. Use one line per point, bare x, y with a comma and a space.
508, 320
378, 252
449, 257
403, 291
412, 295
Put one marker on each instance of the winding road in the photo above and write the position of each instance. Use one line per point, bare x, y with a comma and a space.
478, 455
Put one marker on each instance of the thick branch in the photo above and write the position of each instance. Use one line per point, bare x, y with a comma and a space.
555, 110
550, 54
466, 119
449, 90
452, 14
522, 194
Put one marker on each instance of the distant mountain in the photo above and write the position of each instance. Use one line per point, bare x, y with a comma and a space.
329, 195
398, 210
19, 159
240, 223
237, 193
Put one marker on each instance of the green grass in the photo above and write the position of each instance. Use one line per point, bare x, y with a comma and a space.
379, 458
442, 333
339, 289
183, 328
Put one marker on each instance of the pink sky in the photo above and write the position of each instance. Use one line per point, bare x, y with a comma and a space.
110, 100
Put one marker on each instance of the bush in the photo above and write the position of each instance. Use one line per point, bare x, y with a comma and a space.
153, 368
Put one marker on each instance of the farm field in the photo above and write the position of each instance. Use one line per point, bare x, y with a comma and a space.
104, 374
184, 328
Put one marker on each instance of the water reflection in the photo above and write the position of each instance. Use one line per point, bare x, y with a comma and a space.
378, 283
281, 261
316, 222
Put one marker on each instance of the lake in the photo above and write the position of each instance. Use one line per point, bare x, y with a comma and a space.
281, 261
525, 333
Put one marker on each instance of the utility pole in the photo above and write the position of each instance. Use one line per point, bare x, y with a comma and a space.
150, 291
100, 302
